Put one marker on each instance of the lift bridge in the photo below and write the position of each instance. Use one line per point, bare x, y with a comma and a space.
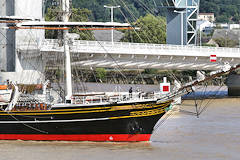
181, 21
135, 55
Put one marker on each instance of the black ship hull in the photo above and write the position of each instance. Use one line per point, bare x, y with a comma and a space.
118, 122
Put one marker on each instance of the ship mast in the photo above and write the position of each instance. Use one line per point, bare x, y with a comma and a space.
65, 18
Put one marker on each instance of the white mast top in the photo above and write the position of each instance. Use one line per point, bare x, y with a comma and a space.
112, 7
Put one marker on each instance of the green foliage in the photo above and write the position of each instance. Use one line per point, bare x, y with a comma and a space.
52, 15
224, 10
58, 74
101, 73
218, 26
208, 45
226, 42
152, 30
150, 71
189, 73
78, 15
132, 9
81, 15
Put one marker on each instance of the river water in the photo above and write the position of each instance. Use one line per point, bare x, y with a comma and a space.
215, 135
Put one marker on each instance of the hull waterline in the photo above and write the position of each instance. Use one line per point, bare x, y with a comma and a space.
80, 137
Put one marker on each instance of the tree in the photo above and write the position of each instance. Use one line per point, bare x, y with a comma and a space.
101, 74
81, 15
52, 15
225, 42
78, 15
130, 9
152, 30
150, 71
224, 10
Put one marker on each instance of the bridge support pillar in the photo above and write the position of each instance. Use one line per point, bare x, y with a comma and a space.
233, 83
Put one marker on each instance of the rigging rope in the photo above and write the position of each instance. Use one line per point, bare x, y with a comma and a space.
210, 101
118, 68
26, 124
202, 108
135, 19
162, 121
145, 7
9, 42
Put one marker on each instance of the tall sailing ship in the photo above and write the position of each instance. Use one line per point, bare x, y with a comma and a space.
28, 114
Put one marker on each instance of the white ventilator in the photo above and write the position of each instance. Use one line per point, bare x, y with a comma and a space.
177, 86
200, 76
15, 98
165, 86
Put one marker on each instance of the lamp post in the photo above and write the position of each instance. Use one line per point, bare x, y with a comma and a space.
226, 38
238, 39
112, 7
239, 24
200, 39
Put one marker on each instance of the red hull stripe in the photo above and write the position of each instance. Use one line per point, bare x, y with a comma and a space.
79, 137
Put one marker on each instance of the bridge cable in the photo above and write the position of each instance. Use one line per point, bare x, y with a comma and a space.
126, 19
118, 68
162, 121
134, 18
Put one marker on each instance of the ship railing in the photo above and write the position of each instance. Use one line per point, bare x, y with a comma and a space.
112, 98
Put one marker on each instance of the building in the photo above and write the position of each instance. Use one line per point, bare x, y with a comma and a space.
234, 26
227, 26
204, 26
206, 17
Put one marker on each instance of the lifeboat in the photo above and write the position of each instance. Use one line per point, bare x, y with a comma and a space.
3, 87
5, 93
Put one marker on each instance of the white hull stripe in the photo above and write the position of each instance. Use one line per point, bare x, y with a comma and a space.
56, 121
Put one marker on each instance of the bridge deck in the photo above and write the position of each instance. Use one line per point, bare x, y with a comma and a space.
141, 55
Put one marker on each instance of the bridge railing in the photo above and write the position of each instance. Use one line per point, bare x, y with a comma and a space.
136, 48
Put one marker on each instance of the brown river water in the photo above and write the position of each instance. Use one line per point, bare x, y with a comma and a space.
215, 135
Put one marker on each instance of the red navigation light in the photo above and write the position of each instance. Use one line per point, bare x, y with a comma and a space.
213, 58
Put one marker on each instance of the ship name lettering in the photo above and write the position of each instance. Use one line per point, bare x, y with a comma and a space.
148, 112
